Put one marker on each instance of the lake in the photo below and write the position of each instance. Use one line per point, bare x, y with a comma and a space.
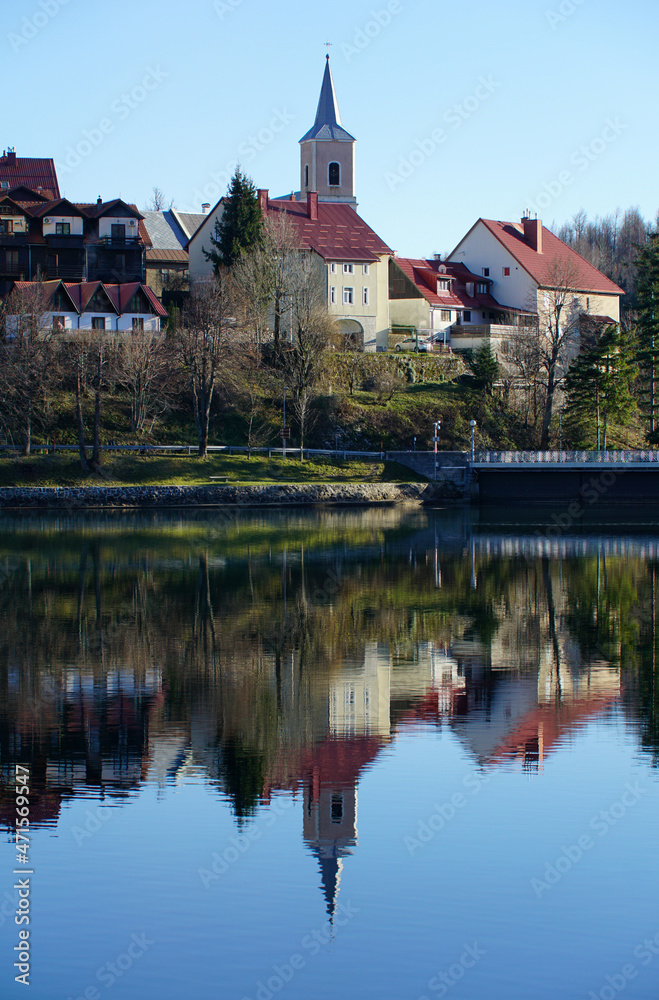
391, 753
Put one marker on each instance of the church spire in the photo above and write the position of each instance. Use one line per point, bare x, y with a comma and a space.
328, 119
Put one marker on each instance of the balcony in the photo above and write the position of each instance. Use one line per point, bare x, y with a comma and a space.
65, 242
118, 241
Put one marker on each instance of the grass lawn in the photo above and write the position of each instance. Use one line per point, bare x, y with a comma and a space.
181, 470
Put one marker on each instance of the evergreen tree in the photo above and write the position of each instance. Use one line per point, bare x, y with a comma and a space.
241, 226
647, 264
598, 386
484, 368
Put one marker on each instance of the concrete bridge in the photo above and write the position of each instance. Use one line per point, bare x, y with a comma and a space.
584, 477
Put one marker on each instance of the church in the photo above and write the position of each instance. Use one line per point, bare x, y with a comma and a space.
324, 216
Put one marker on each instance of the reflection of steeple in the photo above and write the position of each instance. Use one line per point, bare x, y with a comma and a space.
330, 876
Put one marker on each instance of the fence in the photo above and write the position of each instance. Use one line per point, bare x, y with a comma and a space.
564, 457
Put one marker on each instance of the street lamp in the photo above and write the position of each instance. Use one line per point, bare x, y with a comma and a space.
437, 424
472, 424
283, 432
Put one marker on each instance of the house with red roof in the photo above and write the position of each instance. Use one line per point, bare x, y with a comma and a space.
93, 305
447, 303
528, 267
34, 174
57, 239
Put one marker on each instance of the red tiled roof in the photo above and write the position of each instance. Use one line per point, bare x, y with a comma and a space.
337, 234
556, 258
80, 292
31, 172
424, 274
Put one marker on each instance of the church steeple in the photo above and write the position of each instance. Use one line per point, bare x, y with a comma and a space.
328, 151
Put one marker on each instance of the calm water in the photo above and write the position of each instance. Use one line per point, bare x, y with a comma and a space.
391, 754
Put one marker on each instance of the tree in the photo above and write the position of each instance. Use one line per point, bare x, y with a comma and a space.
484, 368
143, 370
157, 201
557, 336
25, 357
91, 355
202, 346
598, 384
262, 275
240, 228
310, 332
647, 263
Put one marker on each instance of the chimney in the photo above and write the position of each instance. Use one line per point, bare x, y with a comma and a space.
292, 198
263, 200
11, 157
312, 205
99, 201
205, 208
533, 233
437, 256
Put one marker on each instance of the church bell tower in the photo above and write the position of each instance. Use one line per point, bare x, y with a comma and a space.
327, 151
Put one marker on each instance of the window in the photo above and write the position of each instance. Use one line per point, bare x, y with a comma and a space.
11, 260
506, 272
62, 228
306, 175
334, 175
118, 231
6, 225
59, 322
333, 268
164, 274
484, 315
333, 295
138, 324
443, 285
445, 315
348, 296
348, 268
481, 288
4, 185
587, 304
467, 315
336, 807
486, 272
365, 296
98, 322
365, 269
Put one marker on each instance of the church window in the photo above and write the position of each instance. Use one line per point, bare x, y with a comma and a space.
334, 174
336, 807
306, 175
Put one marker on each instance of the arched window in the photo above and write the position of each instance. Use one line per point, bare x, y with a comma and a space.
306, 175
334, 174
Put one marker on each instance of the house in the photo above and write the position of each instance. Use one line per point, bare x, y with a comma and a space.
531, 269
352, 256
447, 303
166, 253
36, 175
94, 305
55, 238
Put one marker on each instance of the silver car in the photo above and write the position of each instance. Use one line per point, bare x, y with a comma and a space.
412, 344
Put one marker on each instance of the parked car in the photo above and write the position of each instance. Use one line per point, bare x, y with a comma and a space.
411, 344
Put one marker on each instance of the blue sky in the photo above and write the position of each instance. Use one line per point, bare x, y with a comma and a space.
460, 110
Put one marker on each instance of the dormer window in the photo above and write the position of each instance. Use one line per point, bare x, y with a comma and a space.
334, 174
443, 285
481, 288
62, 228
118, 231
6, 225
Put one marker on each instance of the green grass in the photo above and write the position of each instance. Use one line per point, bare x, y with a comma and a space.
133, 470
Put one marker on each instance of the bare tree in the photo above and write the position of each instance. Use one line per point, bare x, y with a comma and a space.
25, 355
263, 276
558, 335
143, 369
202, 345
91, 355
157, 201
310, 332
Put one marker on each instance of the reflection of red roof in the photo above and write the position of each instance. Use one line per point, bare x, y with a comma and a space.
340, 761
337, 234
550, 724
555, 255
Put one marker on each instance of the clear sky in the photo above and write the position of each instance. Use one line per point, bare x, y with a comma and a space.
460, 110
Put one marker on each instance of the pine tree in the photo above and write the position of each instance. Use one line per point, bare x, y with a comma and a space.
241, 226
484, 368
598, 386
647, 263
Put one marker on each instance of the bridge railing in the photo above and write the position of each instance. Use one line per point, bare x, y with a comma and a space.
618, 457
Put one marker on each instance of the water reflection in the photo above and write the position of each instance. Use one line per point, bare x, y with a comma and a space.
276, 652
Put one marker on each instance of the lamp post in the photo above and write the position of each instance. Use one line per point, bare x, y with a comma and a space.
283, 435
437, 424
472, 424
